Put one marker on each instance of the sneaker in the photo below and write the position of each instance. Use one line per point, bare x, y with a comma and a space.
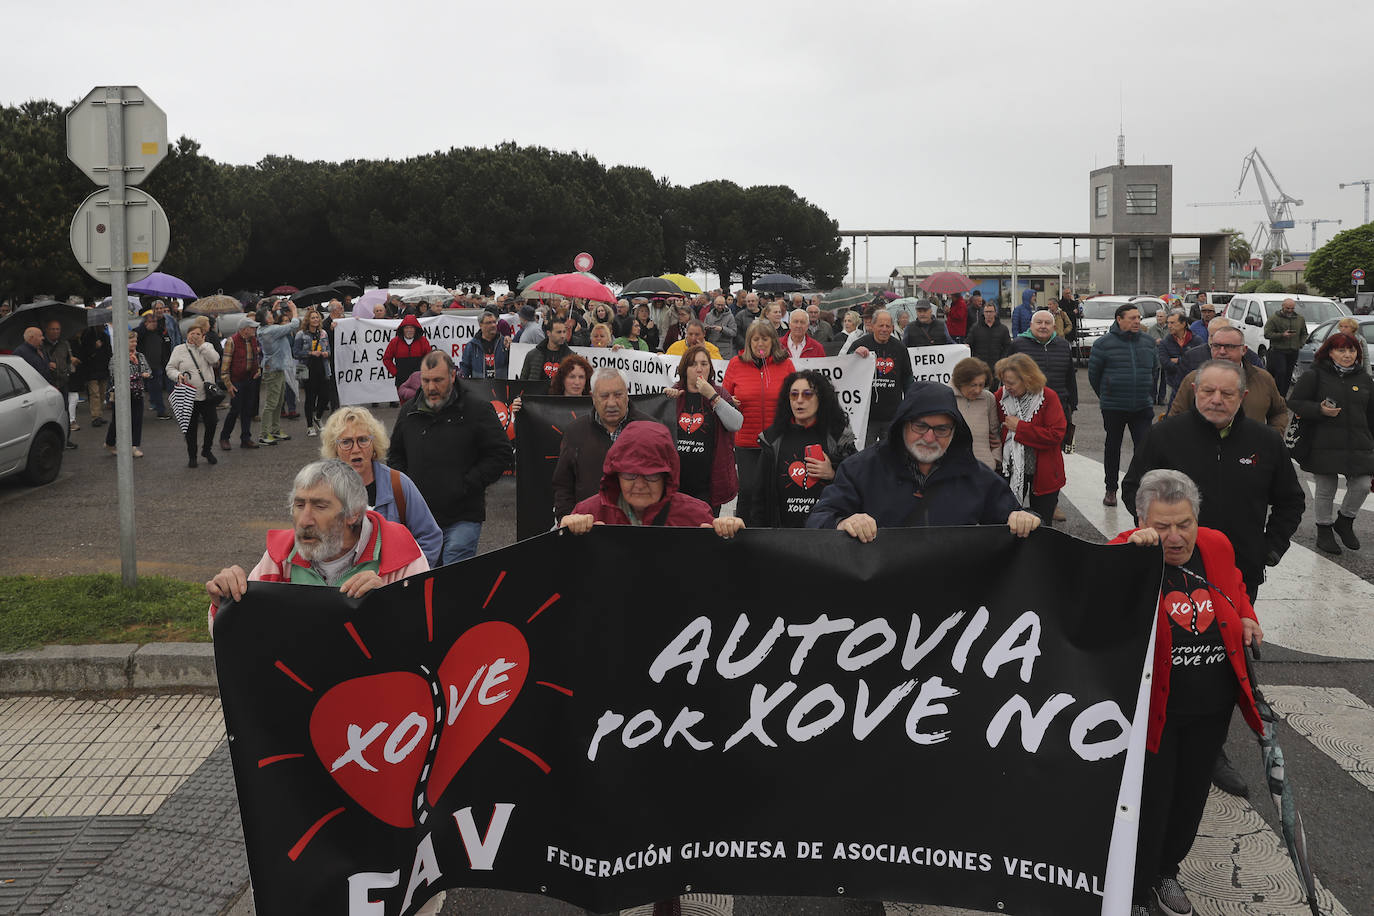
138, 453
267, 440
1171, 898
280, 436
311, 431
98, 421
70, 444
164, 416
1225, 778
73, 427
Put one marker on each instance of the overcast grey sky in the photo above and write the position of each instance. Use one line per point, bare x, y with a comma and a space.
887, 114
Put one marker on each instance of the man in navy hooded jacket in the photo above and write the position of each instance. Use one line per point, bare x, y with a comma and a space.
924, 474
1021, 315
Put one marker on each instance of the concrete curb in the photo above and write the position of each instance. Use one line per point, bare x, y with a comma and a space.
121, 666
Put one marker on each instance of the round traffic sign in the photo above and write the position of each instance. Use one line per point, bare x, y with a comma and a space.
1357, 274
583, 262
145, 236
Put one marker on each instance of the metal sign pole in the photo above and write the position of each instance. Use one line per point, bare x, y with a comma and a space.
119, 359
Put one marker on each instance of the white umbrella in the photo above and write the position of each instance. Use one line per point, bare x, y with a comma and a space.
427, 293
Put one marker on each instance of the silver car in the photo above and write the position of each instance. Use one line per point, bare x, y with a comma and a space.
1318, 335
33, 423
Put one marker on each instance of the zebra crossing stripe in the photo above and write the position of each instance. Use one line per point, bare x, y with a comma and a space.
1338, 723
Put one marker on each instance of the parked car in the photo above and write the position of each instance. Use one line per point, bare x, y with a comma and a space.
1249, 312
1099, 314
33, 423
1322, 331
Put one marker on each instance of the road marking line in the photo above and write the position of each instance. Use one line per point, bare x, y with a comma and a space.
1338, 723
1308, 602
1308, 484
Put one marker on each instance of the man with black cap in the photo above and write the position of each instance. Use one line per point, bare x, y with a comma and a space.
922, 474
926, 330
531, 331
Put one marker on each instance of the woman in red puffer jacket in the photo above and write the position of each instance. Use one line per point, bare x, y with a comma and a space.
753, 379
407, 348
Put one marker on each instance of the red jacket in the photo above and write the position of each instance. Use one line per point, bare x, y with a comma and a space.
1044, 434
755, 388
400, 349
1219, 565
645, 447
810, 348
956, 319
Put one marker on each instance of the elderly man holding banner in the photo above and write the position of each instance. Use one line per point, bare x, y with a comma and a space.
1205, 621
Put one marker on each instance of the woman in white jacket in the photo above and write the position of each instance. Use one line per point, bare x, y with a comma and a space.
197, 362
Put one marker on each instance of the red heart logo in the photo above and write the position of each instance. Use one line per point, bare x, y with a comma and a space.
884, 365
797, 472
1180, 607
374, 733
690, 422
506, 417
479, 679
549, 369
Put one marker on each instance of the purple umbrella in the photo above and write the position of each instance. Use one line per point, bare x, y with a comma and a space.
160, 284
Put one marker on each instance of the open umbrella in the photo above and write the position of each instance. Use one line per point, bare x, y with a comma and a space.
427, 292
364, 304
574, 286
846, 297
527, 279
37, 314
313, 294
778, 283
134, 305
160, 284
686, 284
650, 286
347, 288
1281, 790
216, 305
283, 290
947, 282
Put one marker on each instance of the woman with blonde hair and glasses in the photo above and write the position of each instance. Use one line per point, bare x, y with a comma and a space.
1033, 425
357, 438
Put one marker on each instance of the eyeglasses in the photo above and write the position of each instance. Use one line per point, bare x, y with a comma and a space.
1222, 346
647, 478
347, 444
805, 394
943, 431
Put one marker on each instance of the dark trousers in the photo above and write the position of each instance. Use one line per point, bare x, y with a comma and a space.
1280, 364
1043, 506
204, 412
155, 392
1115, 423
747, 465
1174, 794
241, 408
316, 392
135, 421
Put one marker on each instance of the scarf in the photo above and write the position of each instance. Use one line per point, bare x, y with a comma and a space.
1018, 462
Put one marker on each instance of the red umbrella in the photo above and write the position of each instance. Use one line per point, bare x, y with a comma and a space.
947, 282
574, 286
283, 291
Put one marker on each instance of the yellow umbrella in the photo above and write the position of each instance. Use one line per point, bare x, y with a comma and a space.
683, 283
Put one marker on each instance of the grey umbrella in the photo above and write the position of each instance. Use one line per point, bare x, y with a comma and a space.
37, 314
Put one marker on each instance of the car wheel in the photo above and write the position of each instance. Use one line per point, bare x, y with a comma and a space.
45, 457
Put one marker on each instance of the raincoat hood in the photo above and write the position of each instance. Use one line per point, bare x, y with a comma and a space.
1027, 295
924, 399
643, 447
409, 321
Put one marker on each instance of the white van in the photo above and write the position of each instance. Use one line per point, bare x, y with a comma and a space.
1249, 312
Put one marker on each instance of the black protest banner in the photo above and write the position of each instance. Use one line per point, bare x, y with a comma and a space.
500, 392
538, 433
933, 717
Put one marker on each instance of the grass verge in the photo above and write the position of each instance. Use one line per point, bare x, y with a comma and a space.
75, 610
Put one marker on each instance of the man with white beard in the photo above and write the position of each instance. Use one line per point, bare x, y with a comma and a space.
923, 473
335, 540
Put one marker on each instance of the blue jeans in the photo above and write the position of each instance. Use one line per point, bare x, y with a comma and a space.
460, 541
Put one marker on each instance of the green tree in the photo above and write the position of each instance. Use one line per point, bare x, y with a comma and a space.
1329, 268
1239, 249
209, 224
40, 190
1269, 286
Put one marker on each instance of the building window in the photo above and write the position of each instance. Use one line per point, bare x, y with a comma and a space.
1142, 200
1103, 246
1101, 200
1142, 248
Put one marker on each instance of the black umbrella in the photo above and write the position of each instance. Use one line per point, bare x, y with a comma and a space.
650, 287
315, 294
347, 288
535, 277
778, 283
37, 314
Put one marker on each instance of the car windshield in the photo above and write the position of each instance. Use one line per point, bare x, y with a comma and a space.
1317, 310
1093, 309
